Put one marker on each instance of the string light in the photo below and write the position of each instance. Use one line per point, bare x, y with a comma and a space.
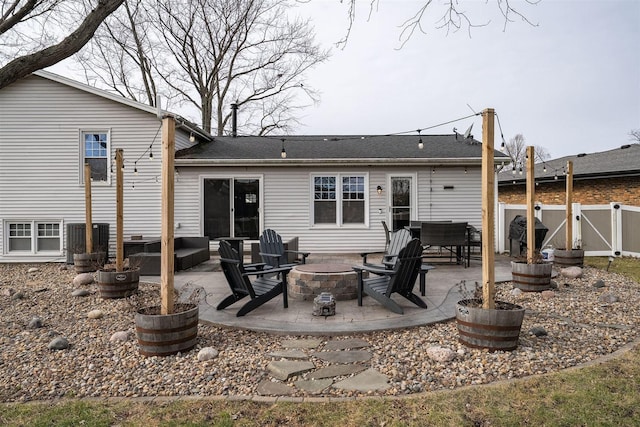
150, 153
283, 154
135, 168
192, 137
420, 143
503, 145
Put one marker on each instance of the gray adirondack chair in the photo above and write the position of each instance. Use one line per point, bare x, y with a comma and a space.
261, 290
398, 240
273, 252
401, 279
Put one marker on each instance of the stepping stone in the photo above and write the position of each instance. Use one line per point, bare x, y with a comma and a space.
282, 370
302, 343
271, 388
346, 344
289, 354
343, 356
313, 386
337, 371
369, 380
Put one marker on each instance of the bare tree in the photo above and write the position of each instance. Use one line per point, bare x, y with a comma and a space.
516, 149
27, 44
453, 17
634, 135
209, 54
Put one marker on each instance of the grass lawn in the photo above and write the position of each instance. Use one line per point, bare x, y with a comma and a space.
603, 394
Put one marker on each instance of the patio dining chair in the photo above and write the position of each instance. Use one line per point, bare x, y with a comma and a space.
445, 235
261, 290
384, 282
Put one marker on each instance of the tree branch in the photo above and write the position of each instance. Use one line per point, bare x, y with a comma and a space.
27, 64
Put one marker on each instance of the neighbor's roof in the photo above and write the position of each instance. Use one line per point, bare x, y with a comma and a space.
347, 149
623, 161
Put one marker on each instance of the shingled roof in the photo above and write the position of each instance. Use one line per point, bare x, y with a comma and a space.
389, 149
623, 161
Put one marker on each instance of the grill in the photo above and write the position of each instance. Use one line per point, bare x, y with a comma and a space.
518, 235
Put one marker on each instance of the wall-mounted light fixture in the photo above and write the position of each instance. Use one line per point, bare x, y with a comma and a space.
379, 190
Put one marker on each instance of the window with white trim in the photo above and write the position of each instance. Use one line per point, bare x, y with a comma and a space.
95, 151
339, 199
34, 237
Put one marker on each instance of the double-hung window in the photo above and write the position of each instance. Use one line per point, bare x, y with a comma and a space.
95, 151
339, 199
34, 237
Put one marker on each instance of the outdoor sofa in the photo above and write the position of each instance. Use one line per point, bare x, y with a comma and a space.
188, 252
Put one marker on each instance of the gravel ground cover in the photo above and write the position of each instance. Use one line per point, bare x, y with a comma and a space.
583, 320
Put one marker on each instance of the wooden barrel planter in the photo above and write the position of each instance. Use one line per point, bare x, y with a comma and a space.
88, 263
491, 329
167, 334
117, 284
533, 277
568, 258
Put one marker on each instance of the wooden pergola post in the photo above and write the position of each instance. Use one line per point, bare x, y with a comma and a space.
119, 211
531, 196
88, 224
166, 246
569, 208
488, 210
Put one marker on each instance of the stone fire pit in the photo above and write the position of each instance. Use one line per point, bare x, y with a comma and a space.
307, 281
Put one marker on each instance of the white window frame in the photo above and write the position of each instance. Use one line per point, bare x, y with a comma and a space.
338, 220
82, 153
33, 250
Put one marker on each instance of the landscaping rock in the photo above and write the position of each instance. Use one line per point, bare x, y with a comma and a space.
32, 270
7, 292
599, 284
547, 294
441, 354
95, 314
120, 336
337, 371
207, 353
369, 380
35, 323
571, 272
58, 343
80, 293
538, 331
83, 279
350, 343
301, 343
608, 298
289, 354
516, 292
343, 356
313, 386
18, 295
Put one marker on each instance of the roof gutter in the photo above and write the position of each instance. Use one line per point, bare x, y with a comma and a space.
330, 162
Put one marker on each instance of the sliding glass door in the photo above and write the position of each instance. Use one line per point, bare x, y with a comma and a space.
231, 207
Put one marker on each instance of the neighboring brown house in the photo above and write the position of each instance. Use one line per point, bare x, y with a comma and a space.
598, 178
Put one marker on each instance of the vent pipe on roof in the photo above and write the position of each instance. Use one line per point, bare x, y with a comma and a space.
234, 119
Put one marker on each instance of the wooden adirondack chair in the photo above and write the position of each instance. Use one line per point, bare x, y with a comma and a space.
261, 290
401, 279
399, 240
273, 252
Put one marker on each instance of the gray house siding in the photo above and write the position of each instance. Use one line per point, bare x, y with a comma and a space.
286, 202
40, 160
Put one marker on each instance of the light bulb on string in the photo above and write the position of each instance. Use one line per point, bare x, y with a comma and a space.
283, 154
135, 168
420, 143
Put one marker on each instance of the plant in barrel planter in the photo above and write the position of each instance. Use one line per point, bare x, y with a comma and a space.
572, 254
168, 328
482, 321
534, 274
118, 282
88, 261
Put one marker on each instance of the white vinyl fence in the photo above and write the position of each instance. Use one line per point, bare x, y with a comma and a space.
601, 230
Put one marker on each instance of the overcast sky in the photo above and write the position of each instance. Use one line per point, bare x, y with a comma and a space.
571, 84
